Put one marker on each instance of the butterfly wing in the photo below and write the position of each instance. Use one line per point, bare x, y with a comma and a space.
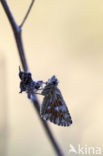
54, 109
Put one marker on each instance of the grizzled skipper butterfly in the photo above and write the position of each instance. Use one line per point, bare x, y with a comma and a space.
53, 107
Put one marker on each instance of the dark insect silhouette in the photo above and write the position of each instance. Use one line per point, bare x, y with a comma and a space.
53, 107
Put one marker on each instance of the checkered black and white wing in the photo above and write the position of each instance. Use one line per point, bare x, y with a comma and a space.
54, 109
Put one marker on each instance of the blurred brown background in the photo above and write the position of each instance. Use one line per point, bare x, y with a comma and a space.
64, 38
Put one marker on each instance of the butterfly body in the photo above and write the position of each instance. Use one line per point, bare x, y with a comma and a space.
53, 107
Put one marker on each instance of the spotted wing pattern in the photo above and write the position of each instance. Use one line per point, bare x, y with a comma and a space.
54, 109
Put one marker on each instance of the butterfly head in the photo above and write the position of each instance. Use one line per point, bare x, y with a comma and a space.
53, 81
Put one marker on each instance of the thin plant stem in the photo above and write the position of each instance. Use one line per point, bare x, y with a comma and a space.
26, 15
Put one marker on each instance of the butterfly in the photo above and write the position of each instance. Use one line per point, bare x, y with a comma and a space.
53, 107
